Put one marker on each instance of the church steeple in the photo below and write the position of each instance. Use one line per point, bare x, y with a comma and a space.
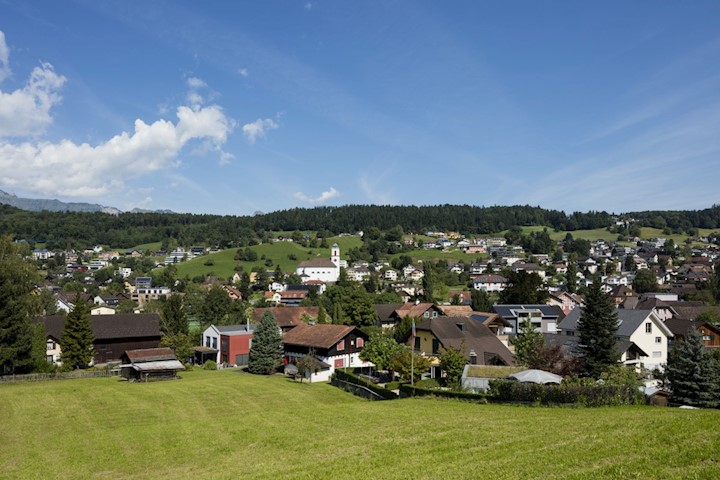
335, 254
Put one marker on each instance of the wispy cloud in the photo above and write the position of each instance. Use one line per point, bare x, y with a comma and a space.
4, 58
258, 129
319, 200
376, 193
243, 72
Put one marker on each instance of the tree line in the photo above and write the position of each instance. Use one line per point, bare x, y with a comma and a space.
83, 229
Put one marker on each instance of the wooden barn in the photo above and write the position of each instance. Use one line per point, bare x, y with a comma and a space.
114, 334
150, 364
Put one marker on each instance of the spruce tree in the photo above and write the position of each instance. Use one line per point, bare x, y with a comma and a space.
17, 277
266, 347
76, 340
597, 327
693, 374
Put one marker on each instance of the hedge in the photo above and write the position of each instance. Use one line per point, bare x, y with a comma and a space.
349, 377
582, 395
411, 391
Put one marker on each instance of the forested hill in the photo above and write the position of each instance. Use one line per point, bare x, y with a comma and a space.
81, 229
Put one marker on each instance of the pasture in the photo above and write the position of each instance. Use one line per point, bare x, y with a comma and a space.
228, 425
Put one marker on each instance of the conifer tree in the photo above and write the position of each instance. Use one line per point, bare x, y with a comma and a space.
266, 348
77, 337
693, 374
17, 277
597, 327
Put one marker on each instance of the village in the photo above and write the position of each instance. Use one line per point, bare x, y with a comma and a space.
651, 284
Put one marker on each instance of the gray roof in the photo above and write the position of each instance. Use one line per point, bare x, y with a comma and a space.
236, 329
547, 310
629, 320
106, 327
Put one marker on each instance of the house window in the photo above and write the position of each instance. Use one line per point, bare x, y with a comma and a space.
207, 342
360, 342
426, 314
417, 343
657, 354
658, 339
648, 327
50, 345
435, 345
341, 345
434, 314
214, 343
224, 343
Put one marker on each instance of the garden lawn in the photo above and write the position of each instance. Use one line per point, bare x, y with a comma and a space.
228, 424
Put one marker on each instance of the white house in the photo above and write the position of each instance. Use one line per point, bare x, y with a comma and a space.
490, 283
643, 328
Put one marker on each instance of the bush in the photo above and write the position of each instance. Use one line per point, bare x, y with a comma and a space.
423, 392
428, 383
576, 394
210, 365
188, 366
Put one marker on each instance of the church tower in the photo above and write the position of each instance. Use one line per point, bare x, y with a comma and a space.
335, 255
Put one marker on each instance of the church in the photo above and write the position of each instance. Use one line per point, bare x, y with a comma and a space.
321, 269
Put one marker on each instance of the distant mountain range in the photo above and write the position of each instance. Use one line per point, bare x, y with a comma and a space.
53, 205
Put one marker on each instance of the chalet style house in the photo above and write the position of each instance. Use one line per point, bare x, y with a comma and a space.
333, 346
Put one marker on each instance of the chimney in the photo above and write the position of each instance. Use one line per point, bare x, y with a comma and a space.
473, 357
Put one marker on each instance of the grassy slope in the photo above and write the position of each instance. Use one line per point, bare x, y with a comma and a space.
233, 425
224, 262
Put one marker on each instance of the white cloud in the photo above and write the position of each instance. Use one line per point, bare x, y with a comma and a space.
194, 97
82, 170
324, 197
196, 83
258, 128
308, 6
26, 111
243, 72
4, 58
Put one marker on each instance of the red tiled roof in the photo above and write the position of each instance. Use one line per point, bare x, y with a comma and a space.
286, 316
318, 336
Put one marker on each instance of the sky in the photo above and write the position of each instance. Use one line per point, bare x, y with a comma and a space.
234, 107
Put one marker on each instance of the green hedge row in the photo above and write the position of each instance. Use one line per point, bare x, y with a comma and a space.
411, 391
583, 395
349, 377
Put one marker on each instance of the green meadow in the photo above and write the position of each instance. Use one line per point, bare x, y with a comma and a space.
229, 425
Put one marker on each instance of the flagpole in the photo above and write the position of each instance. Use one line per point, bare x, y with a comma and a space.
412, 356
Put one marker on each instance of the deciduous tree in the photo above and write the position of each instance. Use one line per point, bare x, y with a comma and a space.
452, 362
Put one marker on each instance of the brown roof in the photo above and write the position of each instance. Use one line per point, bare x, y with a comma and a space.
474, 336
317, 262
150, 354
286, 316
106, 327
455, 310
318, 335
412, 309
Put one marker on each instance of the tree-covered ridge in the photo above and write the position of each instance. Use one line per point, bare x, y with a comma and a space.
82, 229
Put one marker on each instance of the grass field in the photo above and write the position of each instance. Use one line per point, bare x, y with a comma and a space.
226, 424
223, 263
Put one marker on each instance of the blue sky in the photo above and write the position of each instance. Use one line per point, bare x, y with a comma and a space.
231, 107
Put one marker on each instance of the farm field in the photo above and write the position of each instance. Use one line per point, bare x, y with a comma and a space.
228, 424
